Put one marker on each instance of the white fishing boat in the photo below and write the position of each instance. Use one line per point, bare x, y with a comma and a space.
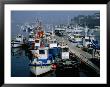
18, 41
31, 37
53, 47
87, 40
64, 50
52, 41
41, 62
78, 37
37, 43
60, 31
41, 59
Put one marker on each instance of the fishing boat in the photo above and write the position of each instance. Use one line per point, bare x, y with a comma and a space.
78, 37
52, 41
18, 41
54, 50
88, 39
31, 37
64, 52
41, 59
78, 40
41, 62
60, 31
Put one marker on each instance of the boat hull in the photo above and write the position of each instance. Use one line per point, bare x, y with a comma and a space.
15, 45
39, 70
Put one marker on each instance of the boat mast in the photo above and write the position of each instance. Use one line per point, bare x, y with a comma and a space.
68, 20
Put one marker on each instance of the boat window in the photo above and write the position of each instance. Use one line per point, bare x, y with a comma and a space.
51, 41
65, 49
19, 36
37, 41
87, 40
55, 42
17, 41
80, 36
77, 36
68, 62
76, 32
41, 51
31, 36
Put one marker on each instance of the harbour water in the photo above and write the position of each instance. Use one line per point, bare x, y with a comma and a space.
19, 63
20, 67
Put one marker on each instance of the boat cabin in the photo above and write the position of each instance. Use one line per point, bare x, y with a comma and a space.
60, 31
31, 38
52, 43
37, 43
19, 38
40, 53
64, 52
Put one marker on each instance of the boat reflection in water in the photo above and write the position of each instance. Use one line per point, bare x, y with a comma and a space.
15, 51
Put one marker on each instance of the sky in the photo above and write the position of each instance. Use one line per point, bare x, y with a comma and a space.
47, 17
